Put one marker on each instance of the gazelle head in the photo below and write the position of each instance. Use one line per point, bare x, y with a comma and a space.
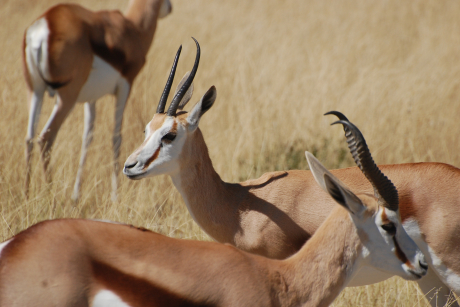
166, 133
386, 245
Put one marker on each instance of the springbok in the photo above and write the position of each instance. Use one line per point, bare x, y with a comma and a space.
89, 263
82, 55
274, 215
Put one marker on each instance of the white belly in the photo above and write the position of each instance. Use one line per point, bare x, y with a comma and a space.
106, 298
103, 79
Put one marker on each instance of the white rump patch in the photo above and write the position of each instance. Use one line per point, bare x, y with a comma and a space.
36, 50
106, 298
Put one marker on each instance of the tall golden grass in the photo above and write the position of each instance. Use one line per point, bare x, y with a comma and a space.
392, 67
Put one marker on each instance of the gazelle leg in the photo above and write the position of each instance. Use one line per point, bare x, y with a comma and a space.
90, 115
436, 291
49, 132
35, 105
122, 95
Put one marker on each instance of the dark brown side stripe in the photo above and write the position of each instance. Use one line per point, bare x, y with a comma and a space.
152, 158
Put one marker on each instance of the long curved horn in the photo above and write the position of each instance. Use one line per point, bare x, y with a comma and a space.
181, 92
164, 96
384, 189
340, 116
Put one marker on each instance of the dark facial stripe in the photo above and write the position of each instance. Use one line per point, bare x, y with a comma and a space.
398, 251
152, 158
157, 152
400, 254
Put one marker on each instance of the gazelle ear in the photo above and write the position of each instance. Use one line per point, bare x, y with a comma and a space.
188, 94
334, 187
205, 103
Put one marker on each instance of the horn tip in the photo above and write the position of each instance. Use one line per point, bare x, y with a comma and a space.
338, 114
345, 123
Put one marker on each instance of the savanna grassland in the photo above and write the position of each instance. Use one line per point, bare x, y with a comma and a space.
392, 67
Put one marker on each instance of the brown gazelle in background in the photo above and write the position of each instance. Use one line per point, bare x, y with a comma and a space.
82, 55
275, 214
89, 263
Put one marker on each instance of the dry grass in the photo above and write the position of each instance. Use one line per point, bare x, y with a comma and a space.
393, 67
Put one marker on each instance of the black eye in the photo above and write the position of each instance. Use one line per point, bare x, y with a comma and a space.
390, 228
168, 138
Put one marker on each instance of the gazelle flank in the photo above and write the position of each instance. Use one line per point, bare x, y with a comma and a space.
88, 263
81, 56
275, 214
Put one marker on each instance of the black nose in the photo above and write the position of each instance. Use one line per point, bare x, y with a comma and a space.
130, 165
423, 265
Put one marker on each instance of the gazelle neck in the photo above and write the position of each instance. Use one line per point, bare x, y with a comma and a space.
212, 202
323, 267
144, 14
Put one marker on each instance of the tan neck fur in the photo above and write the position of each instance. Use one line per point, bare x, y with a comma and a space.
211, 201
321, 269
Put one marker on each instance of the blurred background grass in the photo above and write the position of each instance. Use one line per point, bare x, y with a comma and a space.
392, 67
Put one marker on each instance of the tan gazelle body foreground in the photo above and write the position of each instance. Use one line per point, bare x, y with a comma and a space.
89, 263
274, 215
82, 55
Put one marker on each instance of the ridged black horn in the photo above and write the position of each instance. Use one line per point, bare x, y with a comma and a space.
384, 189
181, 92
164, 96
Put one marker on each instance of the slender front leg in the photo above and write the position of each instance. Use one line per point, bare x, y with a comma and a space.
436, 292
35, 106
60, 111
122, 95
90, 116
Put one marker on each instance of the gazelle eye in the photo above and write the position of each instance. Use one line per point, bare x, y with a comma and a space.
168, 138
390, 228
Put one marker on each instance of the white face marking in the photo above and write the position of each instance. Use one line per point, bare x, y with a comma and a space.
386, 259
167, 160
36, 50
167, 153
103, 79
413, 230
146, 131
106, 298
